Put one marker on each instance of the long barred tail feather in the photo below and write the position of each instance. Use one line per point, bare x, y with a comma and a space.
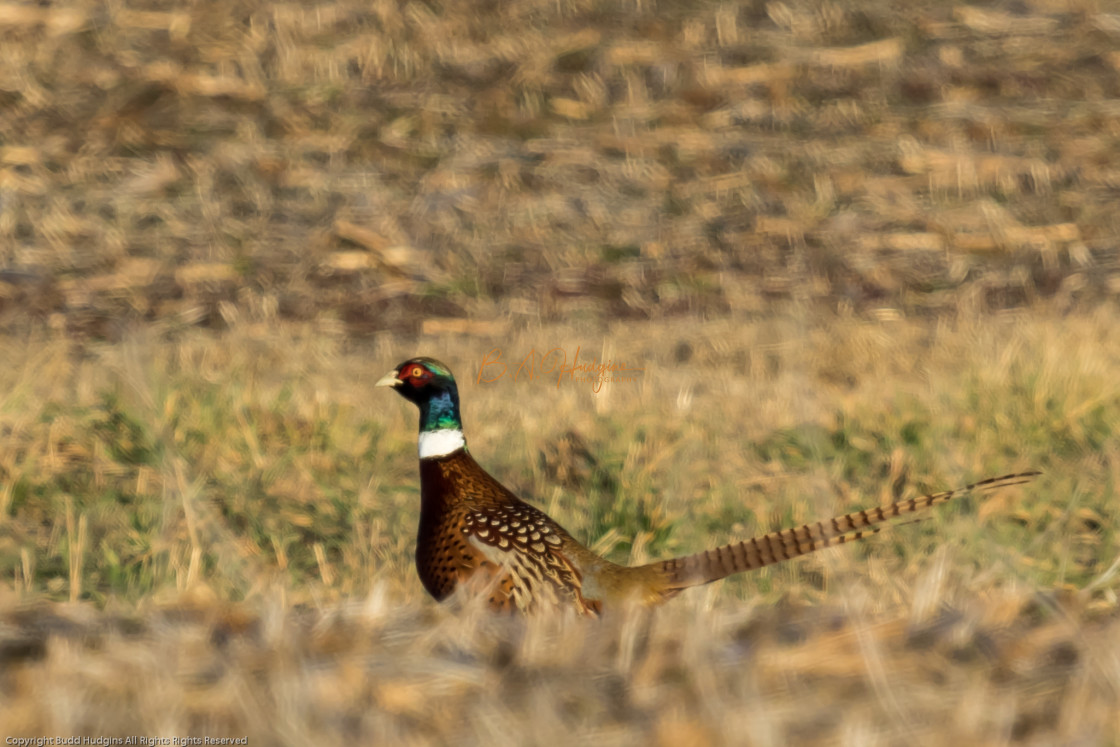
757, 552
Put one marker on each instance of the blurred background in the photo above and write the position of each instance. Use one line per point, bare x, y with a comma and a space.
859, 251
375, 165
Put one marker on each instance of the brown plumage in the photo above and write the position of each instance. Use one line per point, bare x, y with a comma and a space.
475, 532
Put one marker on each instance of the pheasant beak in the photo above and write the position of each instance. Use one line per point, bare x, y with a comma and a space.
389, 379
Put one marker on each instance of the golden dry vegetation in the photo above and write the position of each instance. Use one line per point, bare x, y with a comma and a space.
858, 251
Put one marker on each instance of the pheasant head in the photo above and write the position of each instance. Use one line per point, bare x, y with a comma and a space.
429, 385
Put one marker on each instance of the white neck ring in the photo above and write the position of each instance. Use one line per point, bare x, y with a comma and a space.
440, 443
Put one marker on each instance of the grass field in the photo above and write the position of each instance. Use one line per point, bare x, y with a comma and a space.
157, 482
858, 253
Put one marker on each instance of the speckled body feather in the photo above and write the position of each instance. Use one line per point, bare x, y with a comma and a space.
474, 529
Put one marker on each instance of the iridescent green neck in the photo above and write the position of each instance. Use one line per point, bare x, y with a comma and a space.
441, 411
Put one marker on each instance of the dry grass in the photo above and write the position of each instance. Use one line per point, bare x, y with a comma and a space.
260, 466
1012, 668
858, 251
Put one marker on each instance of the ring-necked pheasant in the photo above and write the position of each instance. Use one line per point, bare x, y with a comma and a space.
474, 531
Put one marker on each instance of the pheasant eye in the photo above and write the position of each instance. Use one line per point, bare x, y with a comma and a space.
416, 372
